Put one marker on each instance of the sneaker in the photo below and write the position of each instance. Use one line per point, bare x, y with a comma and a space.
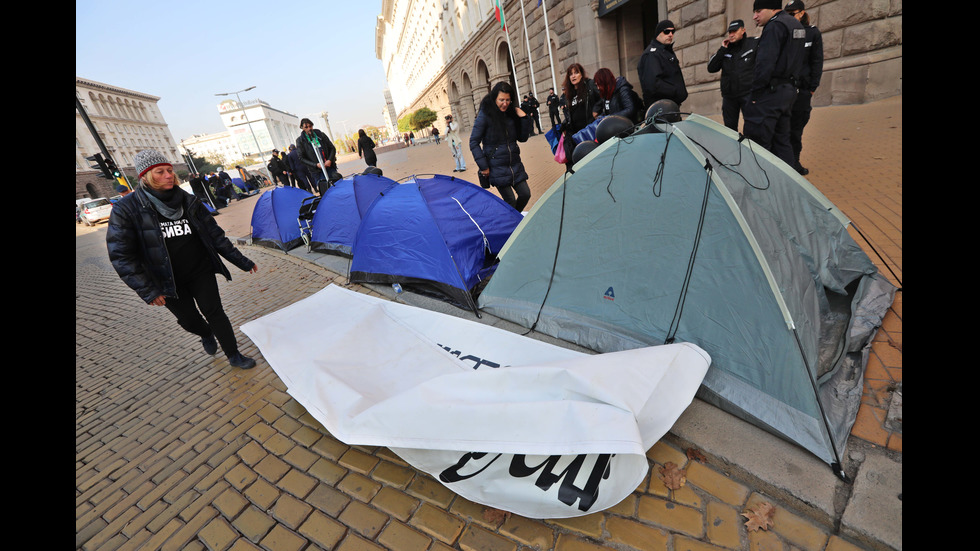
210, 345
244, 362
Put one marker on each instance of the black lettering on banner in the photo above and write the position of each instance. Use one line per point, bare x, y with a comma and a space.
452, 473
568, 493
478, 362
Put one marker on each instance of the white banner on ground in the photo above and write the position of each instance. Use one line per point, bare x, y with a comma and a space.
552, 433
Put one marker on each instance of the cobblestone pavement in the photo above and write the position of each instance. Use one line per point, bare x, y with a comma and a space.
178, 450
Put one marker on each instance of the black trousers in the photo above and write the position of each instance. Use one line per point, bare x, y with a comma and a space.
799, 116
555, 117
731, 107
523, 195
767, 119
202, 293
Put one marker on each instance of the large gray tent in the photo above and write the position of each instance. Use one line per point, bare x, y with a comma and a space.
692, 234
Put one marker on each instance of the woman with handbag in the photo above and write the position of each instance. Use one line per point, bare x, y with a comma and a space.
493, 142
581, 99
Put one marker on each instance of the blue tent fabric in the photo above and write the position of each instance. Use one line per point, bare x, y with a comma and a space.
274, 219
437, 234
340, 210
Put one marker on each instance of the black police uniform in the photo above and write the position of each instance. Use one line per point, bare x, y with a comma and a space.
778, 65
809, 81
660, 75
737, 66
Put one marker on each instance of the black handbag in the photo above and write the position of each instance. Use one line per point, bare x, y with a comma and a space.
484, 179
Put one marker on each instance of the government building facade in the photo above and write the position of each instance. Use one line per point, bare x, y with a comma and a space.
447, 54
126, 122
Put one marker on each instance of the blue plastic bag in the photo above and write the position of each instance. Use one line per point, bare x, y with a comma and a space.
587, 133
553, 136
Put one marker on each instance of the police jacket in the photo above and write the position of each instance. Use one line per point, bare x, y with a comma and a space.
138, 253
779, 59
812, 59
737, 66
494, 146
308, 157
660, 74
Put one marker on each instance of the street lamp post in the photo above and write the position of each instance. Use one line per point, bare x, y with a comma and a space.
244, 114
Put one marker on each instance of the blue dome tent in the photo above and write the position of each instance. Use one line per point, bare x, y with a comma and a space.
437, 234
274, 219
340, 210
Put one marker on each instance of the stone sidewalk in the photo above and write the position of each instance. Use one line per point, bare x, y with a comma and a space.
177, 450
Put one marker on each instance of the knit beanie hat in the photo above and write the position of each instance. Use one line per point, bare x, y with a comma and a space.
665, 24
767, 5
147, 160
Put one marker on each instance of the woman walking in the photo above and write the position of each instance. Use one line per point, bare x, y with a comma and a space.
493, 142
365, 148
165, 245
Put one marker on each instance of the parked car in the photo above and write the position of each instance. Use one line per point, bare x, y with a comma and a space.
95, 211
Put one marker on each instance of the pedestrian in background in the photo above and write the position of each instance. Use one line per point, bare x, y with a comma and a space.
455, 144
298, 169
778, 66
810, 75
493, 142
659, 69
365, 148
166, 246
532, 111
279, 172
553, 108
736, 61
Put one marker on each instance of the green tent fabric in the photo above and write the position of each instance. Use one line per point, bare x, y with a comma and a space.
693, 234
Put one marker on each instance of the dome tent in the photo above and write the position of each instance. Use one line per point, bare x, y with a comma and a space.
695, 234
439, 234
339, 213
274, 218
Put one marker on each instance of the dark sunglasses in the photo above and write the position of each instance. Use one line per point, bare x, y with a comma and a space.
668, 31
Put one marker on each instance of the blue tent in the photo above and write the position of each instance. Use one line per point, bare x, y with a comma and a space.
437, 234
340, 210
274, 219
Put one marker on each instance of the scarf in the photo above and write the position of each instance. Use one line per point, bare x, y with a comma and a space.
168, 203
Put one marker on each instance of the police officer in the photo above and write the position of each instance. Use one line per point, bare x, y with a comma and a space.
810, 79
659, 70
736, 61
778, 64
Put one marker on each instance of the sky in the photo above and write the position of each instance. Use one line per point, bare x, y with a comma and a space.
302, 56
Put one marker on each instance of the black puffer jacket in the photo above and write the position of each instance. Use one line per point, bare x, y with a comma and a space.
621, 103
139, 254
500, 152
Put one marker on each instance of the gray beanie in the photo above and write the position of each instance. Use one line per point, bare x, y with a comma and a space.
147, 159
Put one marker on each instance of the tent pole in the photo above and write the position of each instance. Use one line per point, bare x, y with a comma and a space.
838, 465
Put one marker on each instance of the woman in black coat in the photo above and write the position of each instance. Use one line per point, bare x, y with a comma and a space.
615, 95
165, 245
365, 148
493, 142
581, 99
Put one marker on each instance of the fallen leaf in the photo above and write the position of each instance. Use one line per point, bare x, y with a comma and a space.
760, 517
695, 454
672, 476
494, 515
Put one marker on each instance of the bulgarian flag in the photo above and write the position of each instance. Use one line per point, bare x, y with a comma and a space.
499, 13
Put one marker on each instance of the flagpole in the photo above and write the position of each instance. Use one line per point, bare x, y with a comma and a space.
510, 50
547, 38
527, 41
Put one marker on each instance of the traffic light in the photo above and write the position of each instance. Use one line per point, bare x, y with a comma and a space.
111, 166
101, 165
